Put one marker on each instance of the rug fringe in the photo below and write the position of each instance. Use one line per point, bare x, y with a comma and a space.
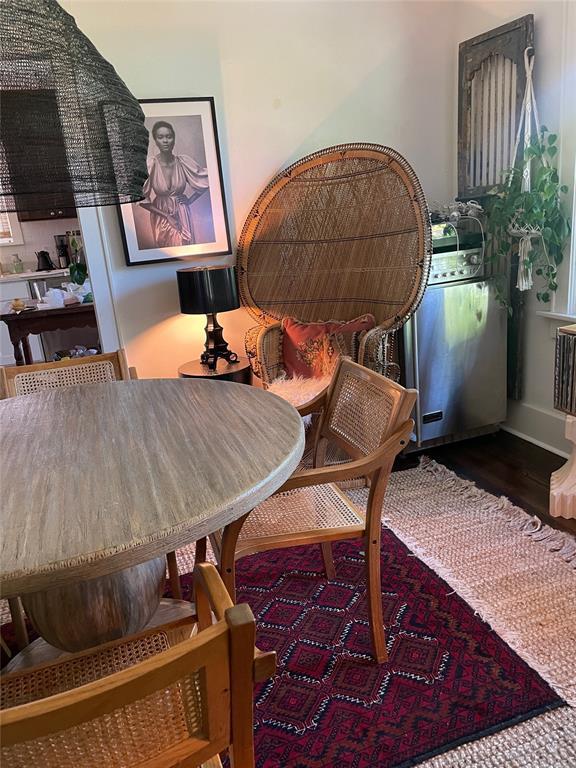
481, 609
560, 542
561, 545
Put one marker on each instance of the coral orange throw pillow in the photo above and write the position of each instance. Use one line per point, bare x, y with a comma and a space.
308, 349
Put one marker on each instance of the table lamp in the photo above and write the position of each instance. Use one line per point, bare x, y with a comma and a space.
563, 481
206, 291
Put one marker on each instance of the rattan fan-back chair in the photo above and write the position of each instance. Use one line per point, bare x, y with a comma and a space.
160, 699
368, 416
342, 232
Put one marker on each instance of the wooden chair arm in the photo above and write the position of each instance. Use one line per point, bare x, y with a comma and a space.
208, 584
352, 469
315, 405
207, 580
264, 665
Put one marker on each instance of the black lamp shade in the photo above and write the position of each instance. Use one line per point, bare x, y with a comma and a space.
72, 133
205, 291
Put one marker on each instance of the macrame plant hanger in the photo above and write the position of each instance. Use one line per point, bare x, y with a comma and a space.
517, 227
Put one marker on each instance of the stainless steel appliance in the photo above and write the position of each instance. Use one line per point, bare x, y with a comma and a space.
455, 351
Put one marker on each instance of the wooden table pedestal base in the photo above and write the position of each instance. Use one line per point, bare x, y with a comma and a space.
41, 652
89, 613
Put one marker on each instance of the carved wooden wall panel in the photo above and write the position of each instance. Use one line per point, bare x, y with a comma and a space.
491, 88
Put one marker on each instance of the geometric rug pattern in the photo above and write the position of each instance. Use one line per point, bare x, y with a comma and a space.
449, 678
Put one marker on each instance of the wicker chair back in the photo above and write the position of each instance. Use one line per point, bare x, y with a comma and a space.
339, 233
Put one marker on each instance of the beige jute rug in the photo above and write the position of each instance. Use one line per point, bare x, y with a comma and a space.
517, 573
520, 577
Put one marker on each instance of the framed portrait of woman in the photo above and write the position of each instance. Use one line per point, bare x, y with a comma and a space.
183, 212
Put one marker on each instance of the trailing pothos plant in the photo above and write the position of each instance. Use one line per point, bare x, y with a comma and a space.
539, 212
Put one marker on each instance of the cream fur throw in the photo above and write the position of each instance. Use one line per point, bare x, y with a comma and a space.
298, 391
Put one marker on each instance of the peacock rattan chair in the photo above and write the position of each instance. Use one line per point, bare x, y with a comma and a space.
368, 416
164, 698
342, 232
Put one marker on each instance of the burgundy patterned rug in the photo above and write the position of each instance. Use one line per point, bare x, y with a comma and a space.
449, 678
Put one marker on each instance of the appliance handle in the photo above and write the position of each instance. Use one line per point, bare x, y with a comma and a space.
416, 372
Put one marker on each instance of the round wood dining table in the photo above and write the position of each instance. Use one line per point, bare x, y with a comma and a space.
99, 482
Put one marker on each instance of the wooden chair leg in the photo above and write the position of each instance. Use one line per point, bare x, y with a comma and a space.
200, 555
375, 599
174, 576
18, 622
242, 640
228, 555
5, 648
328, 560
203, 610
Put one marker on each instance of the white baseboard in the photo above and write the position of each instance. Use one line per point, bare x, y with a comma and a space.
541, 426
533, 440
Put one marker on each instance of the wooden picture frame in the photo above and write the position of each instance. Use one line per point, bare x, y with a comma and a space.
183, 214
10, 229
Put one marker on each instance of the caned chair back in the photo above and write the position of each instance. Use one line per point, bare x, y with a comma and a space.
363, 409
28, 379
339, 233
181, 703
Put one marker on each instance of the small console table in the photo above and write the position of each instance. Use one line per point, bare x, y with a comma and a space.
21, 324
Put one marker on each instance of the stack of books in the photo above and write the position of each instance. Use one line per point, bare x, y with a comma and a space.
565, 370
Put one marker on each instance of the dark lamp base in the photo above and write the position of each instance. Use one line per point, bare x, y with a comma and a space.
215, 346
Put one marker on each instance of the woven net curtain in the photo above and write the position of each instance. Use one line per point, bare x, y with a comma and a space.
68, 124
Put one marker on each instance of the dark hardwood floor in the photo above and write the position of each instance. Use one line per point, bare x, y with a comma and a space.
503, 464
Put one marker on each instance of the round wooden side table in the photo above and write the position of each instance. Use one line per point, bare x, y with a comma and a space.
239, 372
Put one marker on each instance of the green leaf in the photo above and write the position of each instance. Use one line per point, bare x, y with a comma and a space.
552, 139
78, 273
552, 151
543, 129
564, 188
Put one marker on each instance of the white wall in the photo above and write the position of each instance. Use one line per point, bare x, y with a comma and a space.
37, 236
288, 78
292, 77
555, 42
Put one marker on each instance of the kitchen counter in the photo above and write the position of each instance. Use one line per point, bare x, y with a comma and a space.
33, 275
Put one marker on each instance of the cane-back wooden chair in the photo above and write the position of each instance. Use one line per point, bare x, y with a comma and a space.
342, 232
368, 416
163, 698
19, 380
